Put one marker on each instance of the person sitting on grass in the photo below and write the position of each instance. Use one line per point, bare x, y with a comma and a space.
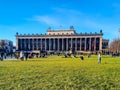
81, 57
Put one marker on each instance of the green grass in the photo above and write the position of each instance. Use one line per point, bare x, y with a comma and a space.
58, 73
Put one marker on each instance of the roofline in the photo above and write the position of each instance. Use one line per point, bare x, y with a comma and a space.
48, 35
58, 30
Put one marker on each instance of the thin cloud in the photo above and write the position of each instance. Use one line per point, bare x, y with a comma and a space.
49, 20
66, 17
60, 16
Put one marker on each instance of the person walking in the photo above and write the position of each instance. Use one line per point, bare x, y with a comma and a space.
26, 56
99, 58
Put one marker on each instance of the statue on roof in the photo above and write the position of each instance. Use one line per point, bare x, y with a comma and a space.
49, 28
101, 31
16, 33
71, 28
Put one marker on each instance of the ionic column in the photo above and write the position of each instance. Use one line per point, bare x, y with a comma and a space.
100, 47
41, 43
71, 43
62, 44
24, 44
37, 44
66, 43
58, 44
80, 44
32, 44
54, 43
75, 44
90, 44
85, 45
94, 44
20, 43
45, 44
17, 43
49, 44
29, 43
31, 47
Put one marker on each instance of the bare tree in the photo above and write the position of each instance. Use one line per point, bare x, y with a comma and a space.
2, 49
115, 45
2, 46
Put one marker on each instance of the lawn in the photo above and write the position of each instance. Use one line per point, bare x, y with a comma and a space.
59, 73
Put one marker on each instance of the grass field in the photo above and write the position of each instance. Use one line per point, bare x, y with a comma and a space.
59, 73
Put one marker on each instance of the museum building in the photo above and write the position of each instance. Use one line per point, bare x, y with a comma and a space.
61, 41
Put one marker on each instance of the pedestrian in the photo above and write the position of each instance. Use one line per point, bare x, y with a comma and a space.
22, 55
26, 56
99, 58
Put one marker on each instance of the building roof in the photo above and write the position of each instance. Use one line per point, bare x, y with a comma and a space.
59, 30
43, 35
69, 32
105, 40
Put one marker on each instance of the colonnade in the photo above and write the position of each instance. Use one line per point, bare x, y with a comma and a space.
60, 44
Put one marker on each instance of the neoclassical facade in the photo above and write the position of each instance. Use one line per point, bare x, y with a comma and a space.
60, 40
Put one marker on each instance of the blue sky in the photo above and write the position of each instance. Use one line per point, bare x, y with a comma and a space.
35, 16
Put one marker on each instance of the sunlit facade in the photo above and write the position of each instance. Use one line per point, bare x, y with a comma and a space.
60, 41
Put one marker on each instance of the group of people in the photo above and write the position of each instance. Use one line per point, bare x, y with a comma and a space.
26, 55
6, 56
70, 54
